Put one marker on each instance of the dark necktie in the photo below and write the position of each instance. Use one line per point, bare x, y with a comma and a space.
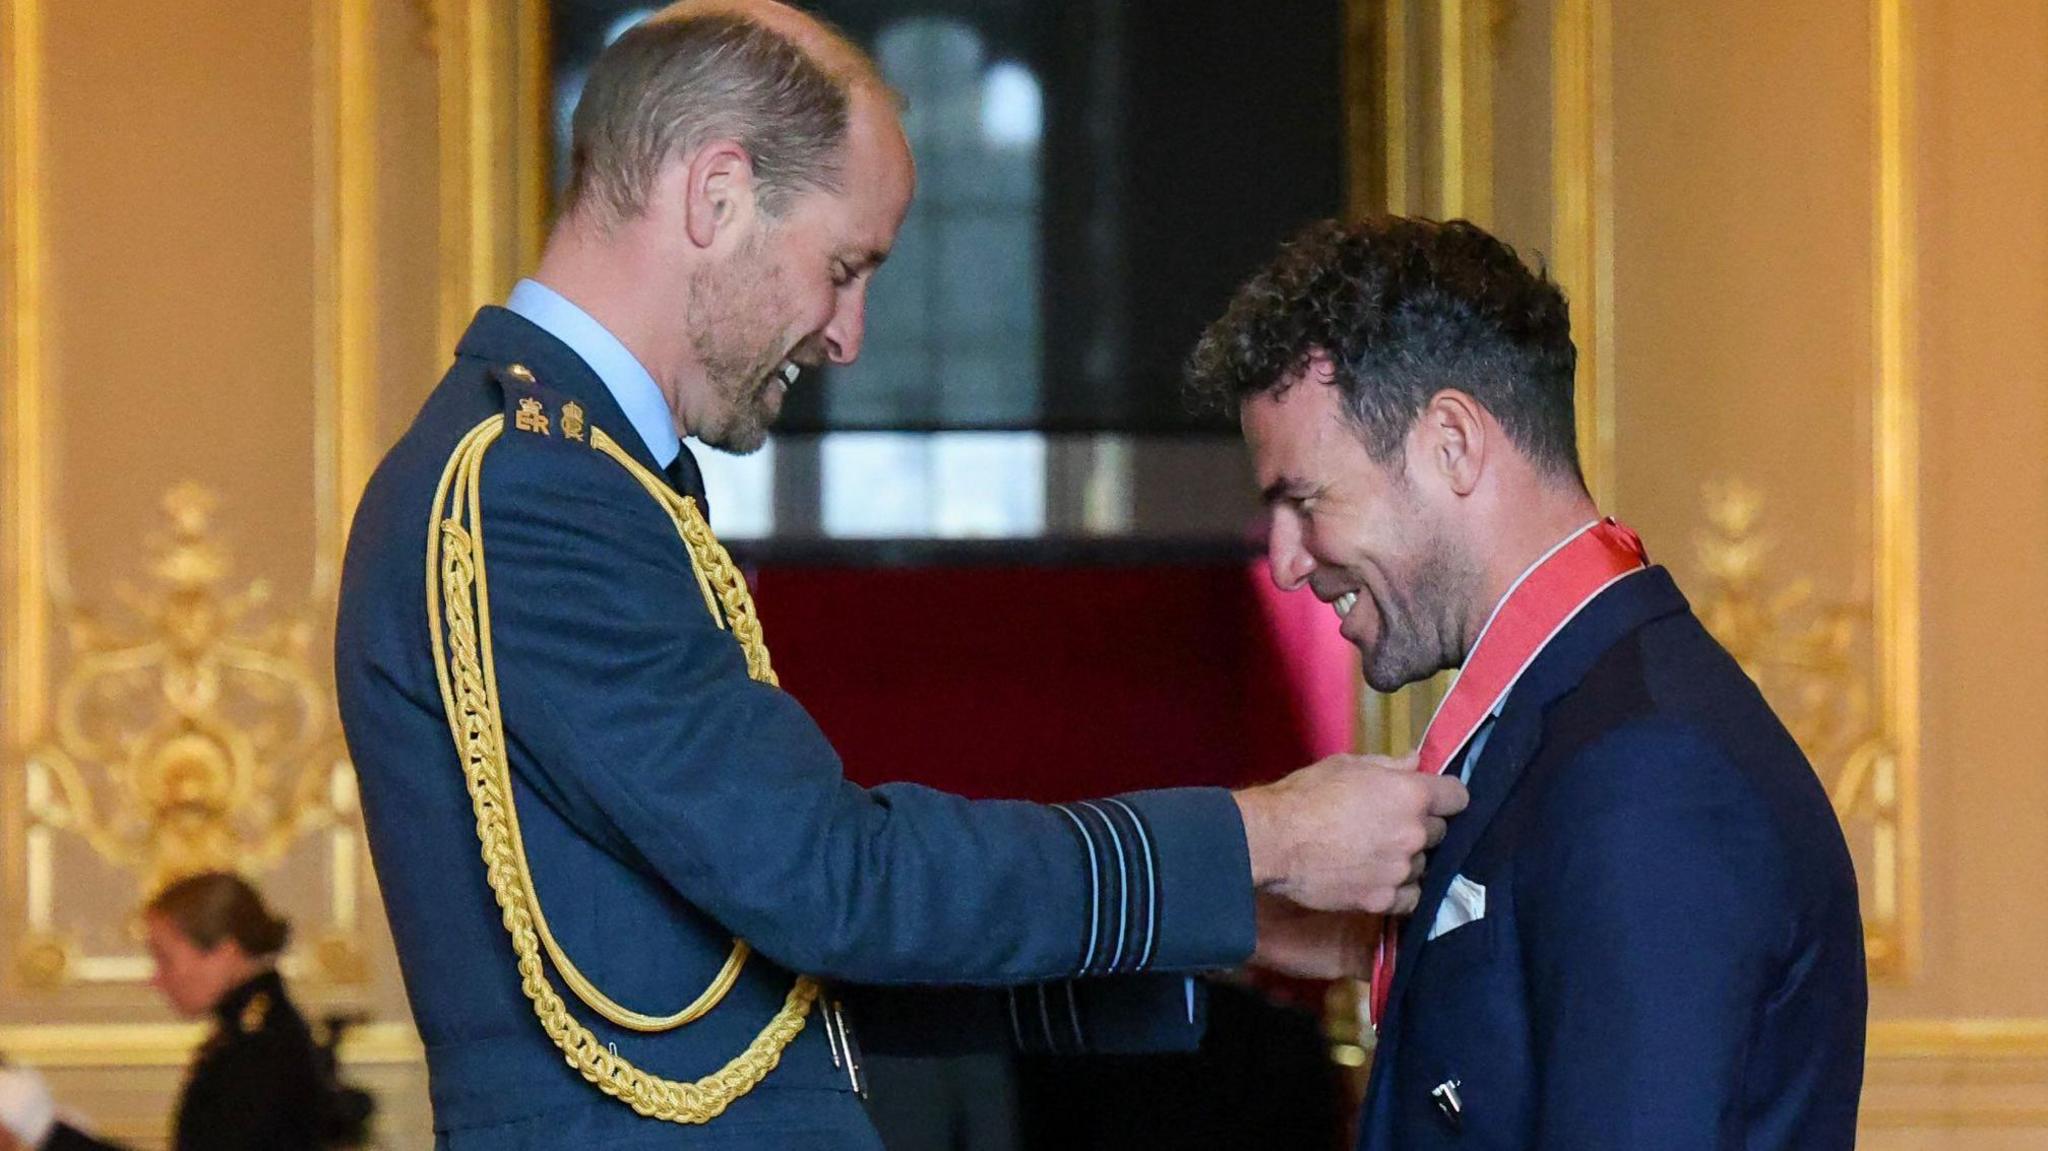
684, 476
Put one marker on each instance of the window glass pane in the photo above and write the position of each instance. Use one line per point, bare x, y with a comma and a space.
988, 485
988, 280
1012, 108
955, 485
741, 490
1118, 156
965, 273
977, 382
889, 376
877, 485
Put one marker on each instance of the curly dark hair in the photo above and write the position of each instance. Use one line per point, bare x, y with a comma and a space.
1404, 308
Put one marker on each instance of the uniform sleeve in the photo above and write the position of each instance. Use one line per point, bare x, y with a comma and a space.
1663, 929
631, 711
1127, 1015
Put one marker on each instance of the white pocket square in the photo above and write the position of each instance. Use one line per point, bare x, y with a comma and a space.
1464, 902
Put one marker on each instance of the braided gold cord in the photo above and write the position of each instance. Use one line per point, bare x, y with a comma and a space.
467, 673
717, 576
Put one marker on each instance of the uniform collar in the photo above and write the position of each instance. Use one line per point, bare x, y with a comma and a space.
631, 385
247, 1005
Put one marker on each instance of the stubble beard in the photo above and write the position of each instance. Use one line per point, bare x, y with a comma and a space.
1419, 630
732, 311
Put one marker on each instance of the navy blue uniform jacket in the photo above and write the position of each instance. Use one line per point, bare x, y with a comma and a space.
1671, 955
669, 803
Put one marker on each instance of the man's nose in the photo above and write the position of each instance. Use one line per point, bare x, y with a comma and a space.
1285, 552
848, 325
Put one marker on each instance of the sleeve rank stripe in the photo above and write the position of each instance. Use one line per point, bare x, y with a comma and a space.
1151, 857
1016, 1021
1074, 1016
1112, 889
1123, 887
1052, 1044
1094, 887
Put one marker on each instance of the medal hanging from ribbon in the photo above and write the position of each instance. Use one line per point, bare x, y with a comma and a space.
1547, 597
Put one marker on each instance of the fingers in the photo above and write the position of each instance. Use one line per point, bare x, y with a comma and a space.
1405, 900
1408, 893
1349, 832
1433, 829
1447, 797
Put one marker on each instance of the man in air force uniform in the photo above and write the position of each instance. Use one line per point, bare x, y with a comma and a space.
583, 787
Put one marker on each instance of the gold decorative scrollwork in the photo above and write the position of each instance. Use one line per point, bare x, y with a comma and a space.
191, 733
1808, 657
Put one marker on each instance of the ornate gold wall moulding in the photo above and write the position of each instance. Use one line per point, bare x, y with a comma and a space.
1951, 1118
1959, 1038
1807, 655
44, 959
67, 1045
191, 732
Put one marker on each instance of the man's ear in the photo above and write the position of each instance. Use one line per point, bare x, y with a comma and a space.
1454, 435
714, 190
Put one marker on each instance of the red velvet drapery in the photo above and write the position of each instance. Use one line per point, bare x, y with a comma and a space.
1058, 683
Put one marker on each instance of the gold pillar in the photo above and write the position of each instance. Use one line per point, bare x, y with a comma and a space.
494, 109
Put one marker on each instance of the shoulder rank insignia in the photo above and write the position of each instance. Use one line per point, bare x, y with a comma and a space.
531, 418
255, 1012
572, 420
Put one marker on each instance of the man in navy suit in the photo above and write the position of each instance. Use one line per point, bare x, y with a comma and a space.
635, 902
1644, 932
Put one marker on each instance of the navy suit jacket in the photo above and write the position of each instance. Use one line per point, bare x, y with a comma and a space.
1671, 955
669, 803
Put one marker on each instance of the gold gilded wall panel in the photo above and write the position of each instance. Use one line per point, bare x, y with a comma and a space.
1746, 336
1980, 297
188, 211
180, 313
160, 322
1806, 252
1830, 269
492, 72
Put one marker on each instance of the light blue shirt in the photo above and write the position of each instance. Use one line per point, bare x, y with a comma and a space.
1476, 747
624, 376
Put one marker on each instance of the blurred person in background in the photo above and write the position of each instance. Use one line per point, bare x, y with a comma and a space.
259, 1081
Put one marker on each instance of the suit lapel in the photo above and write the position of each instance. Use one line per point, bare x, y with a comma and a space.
1518, 736
1516, 741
